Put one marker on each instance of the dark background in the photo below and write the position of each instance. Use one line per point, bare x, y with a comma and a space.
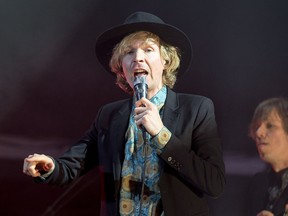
51, 86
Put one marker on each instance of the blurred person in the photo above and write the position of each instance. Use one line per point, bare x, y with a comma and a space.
159, 154
268, 194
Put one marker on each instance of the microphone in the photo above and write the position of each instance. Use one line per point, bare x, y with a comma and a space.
140, 87
140, 90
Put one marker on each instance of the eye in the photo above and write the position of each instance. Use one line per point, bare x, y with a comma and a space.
149, 49
128, 51
269, 125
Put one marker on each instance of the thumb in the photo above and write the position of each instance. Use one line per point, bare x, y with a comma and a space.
47, 166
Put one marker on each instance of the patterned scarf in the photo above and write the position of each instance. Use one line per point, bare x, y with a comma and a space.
130, 193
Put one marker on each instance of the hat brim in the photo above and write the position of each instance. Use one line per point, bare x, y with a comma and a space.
168, 33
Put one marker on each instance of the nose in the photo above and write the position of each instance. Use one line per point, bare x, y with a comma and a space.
260, 131
139, 55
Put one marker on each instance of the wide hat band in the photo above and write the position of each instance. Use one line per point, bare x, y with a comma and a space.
142, 21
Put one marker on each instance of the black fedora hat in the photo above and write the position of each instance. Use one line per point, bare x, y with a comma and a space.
142, 21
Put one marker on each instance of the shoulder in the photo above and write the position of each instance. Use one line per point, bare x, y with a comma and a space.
194, 100
190, 97
108, 110
260, 175
258, 180
116, 104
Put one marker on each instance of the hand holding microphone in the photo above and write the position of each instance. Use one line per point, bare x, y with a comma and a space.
146, 113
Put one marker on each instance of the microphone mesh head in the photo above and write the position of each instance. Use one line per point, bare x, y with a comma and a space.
140, 79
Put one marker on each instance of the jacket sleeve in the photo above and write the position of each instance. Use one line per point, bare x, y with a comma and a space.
76, 161
194, 149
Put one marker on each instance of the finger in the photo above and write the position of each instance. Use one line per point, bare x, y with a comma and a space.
139, 110
25, 167
139, 104
28, 169
31, 169
26, 164
29, 165
36, 158
142, 102
139, 116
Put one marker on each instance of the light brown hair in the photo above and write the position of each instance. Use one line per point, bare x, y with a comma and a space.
264, 109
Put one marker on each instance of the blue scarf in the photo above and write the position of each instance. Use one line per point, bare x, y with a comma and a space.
130, 193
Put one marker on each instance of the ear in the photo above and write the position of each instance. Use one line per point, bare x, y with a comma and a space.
165, 63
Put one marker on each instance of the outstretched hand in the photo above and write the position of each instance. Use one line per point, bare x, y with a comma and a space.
37, 164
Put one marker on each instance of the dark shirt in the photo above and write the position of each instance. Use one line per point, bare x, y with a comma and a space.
268, 191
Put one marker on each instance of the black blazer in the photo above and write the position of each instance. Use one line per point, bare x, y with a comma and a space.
193, 163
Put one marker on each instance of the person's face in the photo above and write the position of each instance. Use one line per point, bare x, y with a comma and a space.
271, 139
143, 57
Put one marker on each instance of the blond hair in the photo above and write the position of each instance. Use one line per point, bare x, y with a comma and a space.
169, 53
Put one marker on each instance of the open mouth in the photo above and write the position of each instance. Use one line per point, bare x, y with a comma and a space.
140, 73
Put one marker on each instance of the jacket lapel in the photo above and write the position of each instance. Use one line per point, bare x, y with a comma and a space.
119, 127
171, 111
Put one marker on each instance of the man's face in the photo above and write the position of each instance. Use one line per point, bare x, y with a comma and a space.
143, 57
272, 140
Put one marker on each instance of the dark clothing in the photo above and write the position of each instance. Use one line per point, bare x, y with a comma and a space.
192, 159
268, 191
